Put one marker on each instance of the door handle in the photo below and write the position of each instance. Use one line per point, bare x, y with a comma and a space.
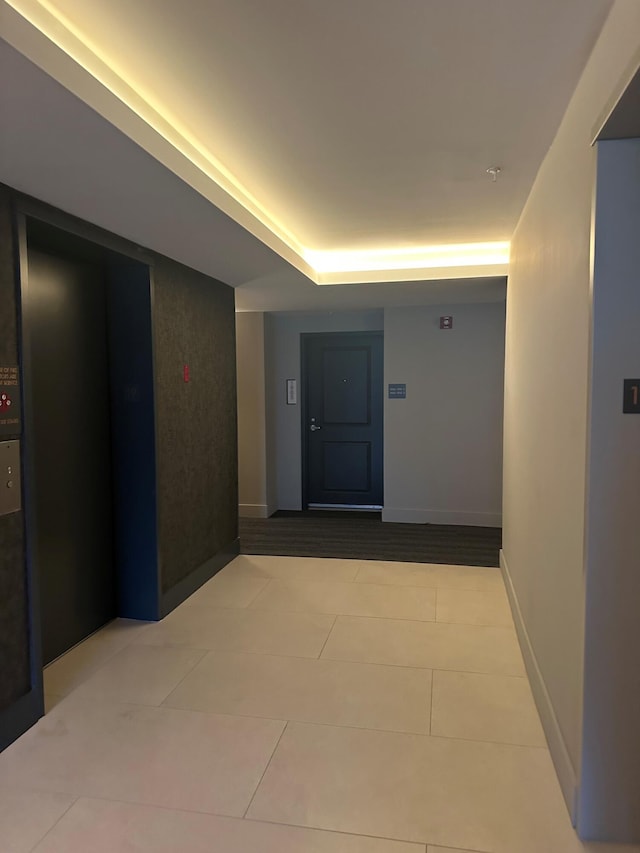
314, 427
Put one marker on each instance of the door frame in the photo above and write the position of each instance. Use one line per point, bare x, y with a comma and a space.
305, 339
30, 210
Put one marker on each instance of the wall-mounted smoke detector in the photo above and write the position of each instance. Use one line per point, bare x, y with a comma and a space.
494, 171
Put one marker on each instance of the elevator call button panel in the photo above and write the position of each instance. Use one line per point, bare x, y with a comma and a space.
10, 486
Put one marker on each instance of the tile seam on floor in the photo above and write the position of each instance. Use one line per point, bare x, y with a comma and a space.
53, 826
259, 592
359, 584
358, 729
226, 815
144, 704
360, 616
472, 624
327, 660
301, 722
343, 832
233, 651
433, 677
415, 666
117, 703
421, 621
392, 838
257, 598
203, 654
474, 672
264, 772
333, 624
456, 849
251, 608
494, 742
147, 804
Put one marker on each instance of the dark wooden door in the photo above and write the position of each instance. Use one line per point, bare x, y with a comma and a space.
65, 314
342, 419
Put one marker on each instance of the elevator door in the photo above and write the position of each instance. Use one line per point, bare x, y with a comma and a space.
66, 322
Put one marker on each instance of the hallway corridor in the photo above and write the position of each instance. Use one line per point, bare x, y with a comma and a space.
295, 705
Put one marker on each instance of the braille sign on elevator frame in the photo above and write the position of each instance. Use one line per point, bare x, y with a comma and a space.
9, 401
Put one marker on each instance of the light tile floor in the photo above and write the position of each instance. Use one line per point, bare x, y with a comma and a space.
295, 705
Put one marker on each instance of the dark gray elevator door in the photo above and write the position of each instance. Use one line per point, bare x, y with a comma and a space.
66, 320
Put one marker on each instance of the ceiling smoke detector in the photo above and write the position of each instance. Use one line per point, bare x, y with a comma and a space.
494, 171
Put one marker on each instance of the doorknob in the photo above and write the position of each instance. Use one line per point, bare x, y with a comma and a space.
313, 427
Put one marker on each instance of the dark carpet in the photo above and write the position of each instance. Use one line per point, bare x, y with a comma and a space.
364, 536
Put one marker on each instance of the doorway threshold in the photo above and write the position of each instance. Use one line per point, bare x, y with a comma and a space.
348, 507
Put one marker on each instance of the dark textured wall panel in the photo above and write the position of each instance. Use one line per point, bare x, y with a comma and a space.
14, 638
194, 325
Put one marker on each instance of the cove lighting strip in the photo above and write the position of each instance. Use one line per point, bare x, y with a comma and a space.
467, 260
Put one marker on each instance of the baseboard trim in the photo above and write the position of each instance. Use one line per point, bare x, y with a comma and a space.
254, 511
559, 753
186, 587
20, 716
428, 516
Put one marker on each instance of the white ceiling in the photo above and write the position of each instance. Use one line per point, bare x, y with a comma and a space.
344, 124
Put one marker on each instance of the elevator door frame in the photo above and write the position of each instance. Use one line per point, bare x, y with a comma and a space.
148, 584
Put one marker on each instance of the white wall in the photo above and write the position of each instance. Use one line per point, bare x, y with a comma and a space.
443, 443
283, 362
253, 495
546, 390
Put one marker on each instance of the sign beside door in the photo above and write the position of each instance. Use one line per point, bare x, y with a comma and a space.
397, 390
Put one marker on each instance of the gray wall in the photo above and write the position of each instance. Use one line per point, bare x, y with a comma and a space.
283, 362
610, 787
443, 443
546, 399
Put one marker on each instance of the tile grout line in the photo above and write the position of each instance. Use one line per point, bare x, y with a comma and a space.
433, 678
233, 817
333, 625
415, 666
205, 652
361, 616
264, 772
317, 828
251, 609
208, 713
256, 598
51, 828
350, 726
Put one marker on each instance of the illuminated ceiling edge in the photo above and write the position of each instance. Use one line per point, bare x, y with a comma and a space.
41, 33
